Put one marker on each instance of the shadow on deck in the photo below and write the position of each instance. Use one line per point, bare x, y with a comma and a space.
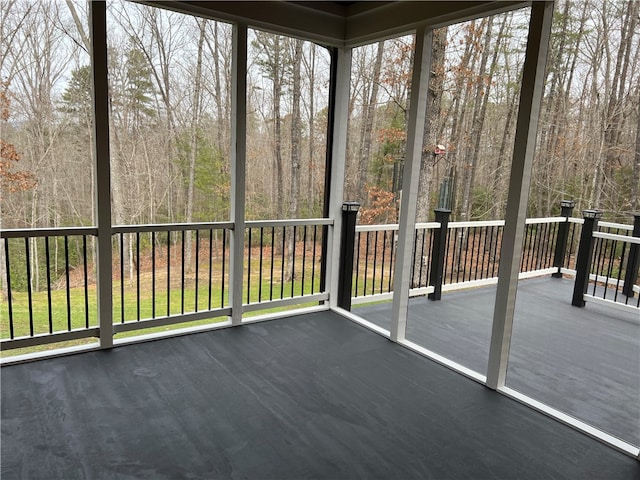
312, 396
582, 361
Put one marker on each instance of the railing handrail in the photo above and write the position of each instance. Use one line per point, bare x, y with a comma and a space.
47, 232
288, 222
536, 221
619, 226
170, 227
619, 238
477, 223
377, 227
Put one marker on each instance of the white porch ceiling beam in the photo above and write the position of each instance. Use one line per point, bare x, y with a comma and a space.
406, 228
520, 180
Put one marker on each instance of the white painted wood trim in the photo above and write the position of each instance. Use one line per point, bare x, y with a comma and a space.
171, 227
45, 355
286, 314
450, 287
617, 238
48, 232
288, 223
407, 220
380, 297
427, 225
537, 273
579, 221
444, 361
337, 173
535, 221
487, 223
47, 338
361, 321
620, 226
610, 303
376, 228
171, 320
285, 302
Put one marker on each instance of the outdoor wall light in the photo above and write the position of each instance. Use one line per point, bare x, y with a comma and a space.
592, 214
350, 206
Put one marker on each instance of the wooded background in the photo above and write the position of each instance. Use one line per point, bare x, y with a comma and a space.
170, 101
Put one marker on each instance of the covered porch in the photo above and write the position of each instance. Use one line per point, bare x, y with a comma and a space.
316, 391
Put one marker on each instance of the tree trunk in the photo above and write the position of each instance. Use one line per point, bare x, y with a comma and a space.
635, 183
193, 141
429, 141
296, 133
369, 115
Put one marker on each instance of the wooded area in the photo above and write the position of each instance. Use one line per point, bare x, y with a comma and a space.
170, 109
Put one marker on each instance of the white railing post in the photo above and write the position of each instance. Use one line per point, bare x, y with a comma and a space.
98, 24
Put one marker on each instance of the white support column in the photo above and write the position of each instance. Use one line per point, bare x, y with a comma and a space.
102, 169
523, 152
406, 228
339, 157
238, 169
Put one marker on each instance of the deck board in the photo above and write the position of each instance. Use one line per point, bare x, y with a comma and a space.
582, 361
312, 396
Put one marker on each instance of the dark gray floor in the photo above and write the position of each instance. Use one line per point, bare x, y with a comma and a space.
313, 396
582, 361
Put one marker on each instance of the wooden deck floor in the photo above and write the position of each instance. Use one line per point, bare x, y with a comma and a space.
582, 361
312, 396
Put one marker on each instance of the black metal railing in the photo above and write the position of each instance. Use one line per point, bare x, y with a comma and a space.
374, 260
283, 259
539, 244
609, 264
472, 251
48, 285
170, 270
176, 273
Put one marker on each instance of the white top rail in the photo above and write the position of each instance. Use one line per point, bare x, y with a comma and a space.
534, 221
394, 226
294, 222
428, 225
619, 238
377, 228
619, 226
579, 221
483, 223
170, 227
48, 232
